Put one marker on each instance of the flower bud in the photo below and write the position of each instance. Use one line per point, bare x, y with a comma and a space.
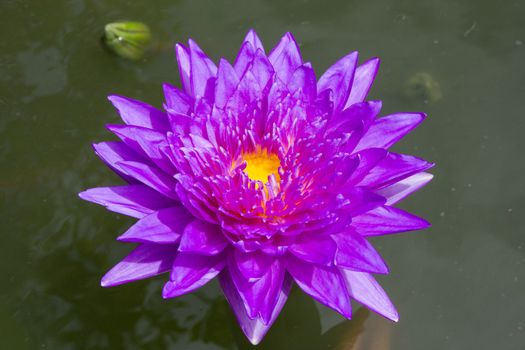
127, 39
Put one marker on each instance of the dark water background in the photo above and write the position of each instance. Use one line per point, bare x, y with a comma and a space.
458, 285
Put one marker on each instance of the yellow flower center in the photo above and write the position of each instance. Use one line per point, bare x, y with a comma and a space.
261, 164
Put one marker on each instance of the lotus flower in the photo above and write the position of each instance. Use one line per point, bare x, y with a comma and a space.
262, 175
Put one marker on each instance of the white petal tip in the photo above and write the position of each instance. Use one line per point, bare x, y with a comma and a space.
255, 340
393, 317
105, 283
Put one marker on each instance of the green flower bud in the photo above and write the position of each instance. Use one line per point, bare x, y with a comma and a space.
127, 39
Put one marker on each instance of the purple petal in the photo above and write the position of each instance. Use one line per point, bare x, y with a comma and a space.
113, 152
202, 70
278, 91
201, 143
364, 288
132, 200
357, 116
247, 92
182, 124
387, 220
145, 261
368, 159
244, 58
200, 237
196, 204
363, 78
285, 57
324, 102
250, 49
260, 296
388, 130
148, 142
176, 100
226, 84
354, 252
254, 329
362, 200
254, 40
315, 249
262, 69
394, 168
138, 113
252, 265
302, 84
338, 78
162, 227
396, 192
190, 272
151, 177
183, 60
324, 284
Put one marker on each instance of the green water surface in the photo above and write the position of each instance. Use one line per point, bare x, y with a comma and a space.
459, 285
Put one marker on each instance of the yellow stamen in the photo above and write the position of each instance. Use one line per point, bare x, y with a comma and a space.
261, 164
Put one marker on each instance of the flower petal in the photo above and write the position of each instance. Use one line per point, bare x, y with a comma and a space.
190, 272
254, 40
244, 58
200, 237
183, 61
362, 200
254, 329
357, 117
388, 130
338, 78
226, 84
176, 100
387, 220
148, 142
132, 200
396, 192
196, 202
162, 227
137, 113
354, 252
202, 71
252, 265
365, 289
262, 69
151, 177
145, 261
251, 48
363, 78
246, 93
368, 159
285, 57
324, 284
394, 168
261, 295
315, 249
115, 151
302, 84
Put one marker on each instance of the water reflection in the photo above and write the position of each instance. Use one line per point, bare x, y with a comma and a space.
43, 70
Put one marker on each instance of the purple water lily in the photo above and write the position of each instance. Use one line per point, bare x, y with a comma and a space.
263, 175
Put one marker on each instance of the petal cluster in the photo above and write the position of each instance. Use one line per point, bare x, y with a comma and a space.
261, 174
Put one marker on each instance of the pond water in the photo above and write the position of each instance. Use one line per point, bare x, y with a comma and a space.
457, 285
